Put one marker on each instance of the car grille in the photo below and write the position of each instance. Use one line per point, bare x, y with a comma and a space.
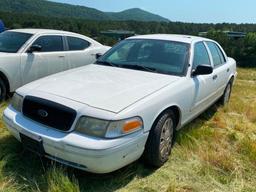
48, 113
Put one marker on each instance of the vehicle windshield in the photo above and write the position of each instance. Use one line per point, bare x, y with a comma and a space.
11, 42
158, 56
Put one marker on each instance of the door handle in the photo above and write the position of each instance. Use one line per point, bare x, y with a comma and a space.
228, 70
215, 77
61, 56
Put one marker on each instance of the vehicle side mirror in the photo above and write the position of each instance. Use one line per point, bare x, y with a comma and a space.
202, 70
98, 55
34, 48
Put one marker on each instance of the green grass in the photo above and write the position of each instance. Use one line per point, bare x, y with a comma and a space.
216, 152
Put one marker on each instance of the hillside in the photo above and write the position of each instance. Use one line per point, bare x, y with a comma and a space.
48, 8
137, 15
216, 152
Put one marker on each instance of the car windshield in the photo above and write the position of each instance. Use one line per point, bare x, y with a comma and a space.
11, 42
158, 56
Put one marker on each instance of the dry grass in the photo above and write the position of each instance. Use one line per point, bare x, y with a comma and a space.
216, 152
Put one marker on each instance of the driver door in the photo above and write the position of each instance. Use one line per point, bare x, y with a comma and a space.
204, 85
49, 60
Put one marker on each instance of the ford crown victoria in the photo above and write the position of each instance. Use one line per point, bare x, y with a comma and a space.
129, 104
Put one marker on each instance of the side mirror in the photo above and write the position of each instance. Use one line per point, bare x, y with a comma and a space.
34, 48
98, 55
202, 70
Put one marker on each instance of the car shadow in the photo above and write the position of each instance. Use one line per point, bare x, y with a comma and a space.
29, 169
115, 180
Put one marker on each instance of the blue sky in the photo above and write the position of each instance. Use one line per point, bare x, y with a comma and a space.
199, 11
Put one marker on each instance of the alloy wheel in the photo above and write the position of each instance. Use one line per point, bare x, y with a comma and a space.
166, 138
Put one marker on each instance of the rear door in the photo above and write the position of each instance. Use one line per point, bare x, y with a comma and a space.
51, 59
221, 68
80, 52
204, 85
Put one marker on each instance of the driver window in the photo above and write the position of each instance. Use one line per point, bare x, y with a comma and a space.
50, 43
201, 56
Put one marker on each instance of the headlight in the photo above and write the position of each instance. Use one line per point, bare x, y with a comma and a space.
108, 129
92, 126
16, 102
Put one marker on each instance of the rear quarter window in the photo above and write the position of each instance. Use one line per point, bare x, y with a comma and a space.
76, 44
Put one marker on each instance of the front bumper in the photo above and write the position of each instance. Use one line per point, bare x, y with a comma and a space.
87, 153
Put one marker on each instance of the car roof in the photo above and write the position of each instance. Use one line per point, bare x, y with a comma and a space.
43, 31
171, 37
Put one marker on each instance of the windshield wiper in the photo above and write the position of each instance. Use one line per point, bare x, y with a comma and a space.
139, 67
107, 63
128, 66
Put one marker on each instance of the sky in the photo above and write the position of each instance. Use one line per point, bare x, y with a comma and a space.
198, 11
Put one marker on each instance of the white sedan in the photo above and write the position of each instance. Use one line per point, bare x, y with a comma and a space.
130, 103
30, 54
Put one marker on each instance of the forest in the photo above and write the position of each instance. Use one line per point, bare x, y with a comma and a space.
243, 49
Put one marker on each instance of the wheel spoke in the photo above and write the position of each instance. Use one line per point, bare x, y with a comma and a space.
162, 151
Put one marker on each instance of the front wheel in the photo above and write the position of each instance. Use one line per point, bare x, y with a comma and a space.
159, 144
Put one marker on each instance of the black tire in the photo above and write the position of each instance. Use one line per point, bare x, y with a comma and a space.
227, 93
2, 91
153, 155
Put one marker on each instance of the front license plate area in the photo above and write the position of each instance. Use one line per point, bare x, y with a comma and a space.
32, 144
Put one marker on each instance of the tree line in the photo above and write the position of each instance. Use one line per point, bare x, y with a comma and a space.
243, 49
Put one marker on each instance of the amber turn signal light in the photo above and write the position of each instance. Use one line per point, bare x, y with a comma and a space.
132, 126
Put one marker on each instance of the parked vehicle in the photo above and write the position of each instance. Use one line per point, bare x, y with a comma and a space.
130, 103
30, 54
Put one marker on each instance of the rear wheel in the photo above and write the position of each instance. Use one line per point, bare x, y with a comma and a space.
226, 95
2, 91
159, 144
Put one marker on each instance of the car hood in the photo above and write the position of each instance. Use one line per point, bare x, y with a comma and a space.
108, 88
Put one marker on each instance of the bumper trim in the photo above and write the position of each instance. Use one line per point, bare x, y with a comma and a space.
68, 163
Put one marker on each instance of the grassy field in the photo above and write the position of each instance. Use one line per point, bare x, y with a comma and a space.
216, 152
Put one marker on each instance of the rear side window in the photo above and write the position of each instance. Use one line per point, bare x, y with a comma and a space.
217, 55
50, 43
201, 56
76, 44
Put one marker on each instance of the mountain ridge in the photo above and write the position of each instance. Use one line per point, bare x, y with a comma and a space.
55, 9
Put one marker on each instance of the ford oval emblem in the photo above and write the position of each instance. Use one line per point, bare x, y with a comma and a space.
42, 113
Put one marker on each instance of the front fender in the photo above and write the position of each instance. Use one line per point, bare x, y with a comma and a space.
10, 68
